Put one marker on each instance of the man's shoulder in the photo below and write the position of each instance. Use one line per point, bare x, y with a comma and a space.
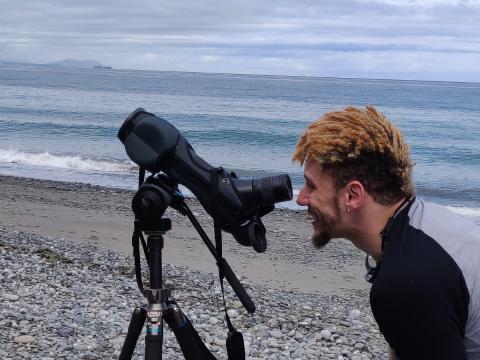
458, 236
415, 263
422, 265
432, 269
441, 222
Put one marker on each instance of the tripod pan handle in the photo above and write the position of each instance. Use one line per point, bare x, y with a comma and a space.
236, 286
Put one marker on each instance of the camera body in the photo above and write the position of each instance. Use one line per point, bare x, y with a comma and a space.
236, 204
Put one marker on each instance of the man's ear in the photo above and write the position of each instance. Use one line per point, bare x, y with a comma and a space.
354, 195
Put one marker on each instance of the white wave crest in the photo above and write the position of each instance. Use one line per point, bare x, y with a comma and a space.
466, 211
65, 162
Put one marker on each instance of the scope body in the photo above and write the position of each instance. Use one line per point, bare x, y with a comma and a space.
157, 146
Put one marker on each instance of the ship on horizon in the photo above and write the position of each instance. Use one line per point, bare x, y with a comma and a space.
103, 67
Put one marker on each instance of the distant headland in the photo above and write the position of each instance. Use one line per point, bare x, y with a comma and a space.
67, 63
80, 64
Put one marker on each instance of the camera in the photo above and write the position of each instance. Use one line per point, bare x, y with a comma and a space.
237, 204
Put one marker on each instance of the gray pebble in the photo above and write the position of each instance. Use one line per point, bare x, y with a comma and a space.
11, 297
24, 339
325, 334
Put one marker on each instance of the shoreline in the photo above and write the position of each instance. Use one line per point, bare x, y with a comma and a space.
102, 216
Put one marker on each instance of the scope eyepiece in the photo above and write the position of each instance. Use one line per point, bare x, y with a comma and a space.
272, 189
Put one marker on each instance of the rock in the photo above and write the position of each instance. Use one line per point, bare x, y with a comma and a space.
369, 320
354, 314
213, 320
325, 334
219, 342
24, 339
276, 334
232, 313
11, 297
81, 346
359, 346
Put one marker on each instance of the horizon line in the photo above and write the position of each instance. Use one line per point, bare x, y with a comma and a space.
54, 65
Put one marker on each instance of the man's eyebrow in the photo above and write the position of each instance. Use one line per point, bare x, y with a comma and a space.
307, 178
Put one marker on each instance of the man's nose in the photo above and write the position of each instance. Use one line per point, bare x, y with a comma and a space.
301, 198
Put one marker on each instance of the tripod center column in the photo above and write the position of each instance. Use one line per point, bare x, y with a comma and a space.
155, 246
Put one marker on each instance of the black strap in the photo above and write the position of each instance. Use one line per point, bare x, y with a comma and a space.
235, 343
136, 237
136, 256
371, 271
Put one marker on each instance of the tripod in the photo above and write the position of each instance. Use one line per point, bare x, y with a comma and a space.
160, 308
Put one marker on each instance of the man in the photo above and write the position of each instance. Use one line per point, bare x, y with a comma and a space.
426, 283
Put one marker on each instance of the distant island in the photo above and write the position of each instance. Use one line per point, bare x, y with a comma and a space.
80, 64
67, 64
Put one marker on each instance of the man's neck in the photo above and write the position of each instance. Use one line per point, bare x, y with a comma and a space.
367, 229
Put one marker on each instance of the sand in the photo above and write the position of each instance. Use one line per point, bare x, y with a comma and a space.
102, 217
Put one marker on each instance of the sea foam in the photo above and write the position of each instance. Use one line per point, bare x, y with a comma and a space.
62, 161
466, 211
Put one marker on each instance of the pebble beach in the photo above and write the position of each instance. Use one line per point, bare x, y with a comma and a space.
68, 283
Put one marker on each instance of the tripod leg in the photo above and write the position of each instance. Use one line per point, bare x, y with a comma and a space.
134, 329
153, 346
190, 342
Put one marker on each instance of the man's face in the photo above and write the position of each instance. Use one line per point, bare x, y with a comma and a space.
322, 198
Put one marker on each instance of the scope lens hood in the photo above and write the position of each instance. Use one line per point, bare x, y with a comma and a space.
148, 139
129, 124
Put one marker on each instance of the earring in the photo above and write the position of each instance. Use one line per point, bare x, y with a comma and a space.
348, 210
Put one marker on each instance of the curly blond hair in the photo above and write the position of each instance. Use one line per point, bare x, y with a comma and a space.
360, 144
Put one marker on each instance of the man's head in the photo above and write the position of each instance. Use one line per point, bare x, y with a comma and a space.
353, 147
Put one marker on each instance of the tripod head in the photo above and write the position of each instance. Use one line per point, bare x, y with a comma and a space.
152, 227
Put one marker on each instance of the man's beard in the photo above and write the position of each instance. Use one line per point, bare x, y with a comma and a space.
321, 239
324, 236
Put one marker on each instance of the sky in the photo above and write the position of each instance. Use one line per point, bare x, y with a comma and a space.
399, 39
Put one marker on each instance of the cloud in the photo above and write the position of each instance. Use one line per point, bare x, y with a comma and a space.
210, 58
426, 3
284, 37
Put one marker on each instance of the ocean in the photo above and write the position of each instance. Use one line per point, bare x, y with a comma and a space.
61, 124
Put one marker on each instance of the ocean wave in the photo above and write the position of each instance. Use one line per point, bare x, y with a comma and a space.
465, 211
62, 161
